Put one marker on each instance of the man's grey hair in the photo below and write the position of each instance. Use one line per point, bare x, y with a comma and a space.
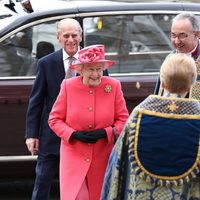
69, 20
191, 17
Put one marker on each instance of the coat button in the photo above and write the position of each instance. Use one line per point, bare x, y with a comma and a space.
90, 108
87, 160
90, 126
91, 91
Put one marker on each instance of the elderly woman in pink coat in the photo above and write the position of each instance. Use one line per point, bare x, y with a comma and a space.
87, 110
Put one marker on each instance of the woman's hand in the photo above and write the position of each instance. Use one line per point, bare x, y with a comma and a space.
89, 136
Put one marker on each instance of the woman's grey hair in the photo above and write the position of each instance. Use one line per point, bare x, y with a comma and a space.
191, 17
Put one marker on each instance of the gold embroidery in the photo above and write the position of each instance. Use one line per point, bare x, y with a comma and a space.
194, 91
198, 65
162, 180
172, 107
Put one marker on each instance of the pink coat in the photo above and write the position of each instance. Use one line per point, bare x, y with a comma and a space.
79, 107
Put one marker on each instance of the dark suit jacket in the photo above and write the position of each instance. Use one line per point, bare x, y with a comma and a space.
49, 75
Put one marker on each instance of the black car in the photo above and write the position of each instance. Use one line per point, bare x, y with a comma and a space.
135, 36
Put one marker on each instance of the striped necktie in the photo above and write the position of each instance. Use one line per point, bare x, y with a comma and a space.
70, 72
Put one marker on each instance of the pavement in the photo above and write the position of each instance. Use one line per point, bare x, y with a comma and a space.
22, 190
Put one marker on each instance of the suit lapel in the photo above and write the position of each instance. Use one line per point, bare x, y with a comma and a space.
59, 67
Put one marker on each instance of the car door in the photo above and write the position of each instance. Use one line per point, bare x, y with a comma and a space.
19, 52
135, 36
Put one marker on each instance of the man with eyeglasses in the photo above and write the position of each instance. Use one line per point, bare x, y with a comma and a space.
184, 36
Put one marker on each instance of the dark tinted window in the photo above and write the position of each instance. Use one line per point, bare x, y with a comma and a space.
138, 43
19, 53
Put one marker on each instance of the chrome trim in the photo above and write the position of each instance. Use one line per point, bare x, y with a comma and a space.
35, 23
133, 74
17, 78
17, 158
125, 12
139, 53
111, 74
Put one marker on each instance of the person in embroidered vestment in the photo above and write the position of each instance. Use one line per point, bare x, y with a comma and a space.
157, 156
87, 109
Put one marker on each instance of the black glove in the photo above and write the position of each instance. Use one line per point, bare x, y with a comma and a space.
83, 137
89, 136
98, 134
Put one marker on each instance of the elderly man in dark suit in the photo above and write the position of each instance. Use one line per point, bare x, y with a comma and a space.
51, 70
40, 139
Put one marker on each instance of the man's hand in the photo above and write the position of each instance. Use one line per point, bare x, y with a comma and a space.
32, 145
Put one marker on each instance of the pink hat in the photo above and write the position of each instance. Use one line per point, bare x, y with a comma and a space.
91, 54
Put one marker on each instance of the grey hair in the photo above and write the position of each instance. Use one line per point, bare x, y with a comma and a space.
191, 17
69, 20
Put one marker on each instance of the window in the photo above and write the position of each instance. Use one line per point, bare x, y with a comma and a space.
138, 43
19, 53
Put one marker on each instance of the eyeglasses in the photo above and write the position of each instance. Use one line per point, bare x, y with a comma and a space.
180, 36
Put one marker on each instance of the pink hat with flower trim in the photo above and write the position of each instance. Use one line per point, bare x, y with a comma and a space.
91, 54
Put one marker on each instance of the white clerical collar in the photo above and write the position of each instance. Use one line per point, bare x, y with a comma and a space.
190, 53
168, 94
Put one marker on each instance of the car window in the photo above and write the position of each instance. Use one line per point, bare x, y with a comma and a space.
19, 52
138, 43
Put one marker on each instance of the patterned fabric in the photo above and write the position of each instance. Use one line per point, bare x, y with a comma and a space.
70, 72
162, 105
121, 180
195, 90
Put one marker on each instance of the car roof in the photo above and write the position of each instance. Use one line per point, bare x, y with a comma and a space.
81, 8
